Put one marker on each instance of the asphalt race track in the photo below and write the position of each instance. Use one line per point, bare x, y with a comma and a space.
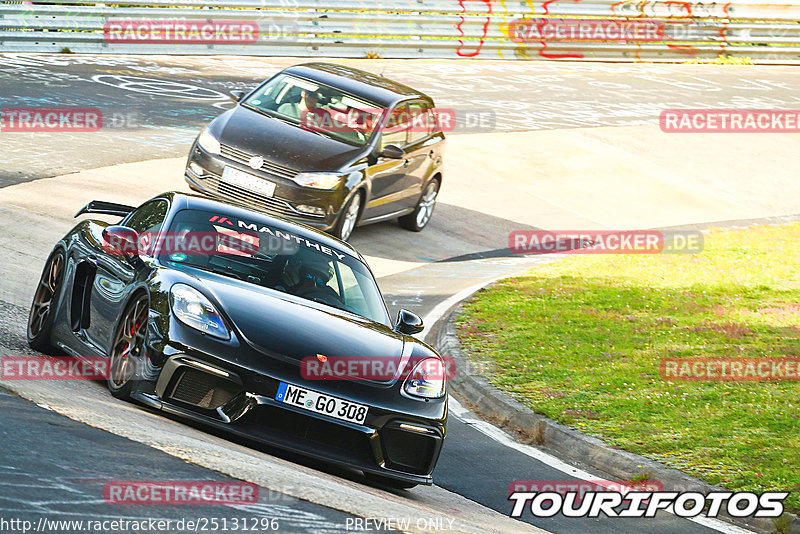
153, 107
55, 481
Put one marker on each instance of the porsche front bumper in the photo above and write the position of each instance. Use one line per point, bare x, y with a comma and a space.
392, 443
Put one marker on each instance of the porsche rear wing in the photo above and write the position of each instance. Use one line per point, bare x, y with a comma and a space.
106, 208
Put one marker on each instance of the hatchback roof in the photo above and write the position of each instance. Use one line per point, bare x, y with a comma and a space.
358, 82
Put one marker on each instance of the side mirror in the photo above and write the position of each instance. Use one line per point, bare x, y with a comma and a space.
409, 323
121, 240
237, 95
393, 152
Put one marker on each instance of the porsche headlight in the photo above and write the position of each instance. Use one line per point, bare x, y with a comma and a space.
318, 180
208, 142
427, 379
193, 309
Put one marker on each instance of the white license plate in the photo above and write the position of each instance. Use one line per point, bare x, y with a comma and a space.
248, 181
314, 401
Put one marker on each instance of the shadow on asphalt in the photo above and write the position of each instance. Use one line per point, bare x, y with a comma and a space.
470, 234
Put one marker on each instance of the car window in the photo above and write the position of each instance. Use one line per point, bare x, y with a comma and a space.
396, 130
349, 287
422, 121
147, 221
317, 107
353, 289
258, 254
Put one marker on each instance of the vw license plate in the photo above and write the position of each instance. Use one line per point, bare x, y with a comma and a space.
314, 401
248, 181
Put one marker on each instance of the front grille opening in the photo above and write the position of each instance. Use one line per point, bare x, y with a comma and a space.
335, 438
202, 389
268, 166
234, 190
408, 451
274, 205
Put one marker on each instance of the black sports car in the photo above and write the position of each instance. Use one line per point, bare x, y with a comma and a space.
216, 313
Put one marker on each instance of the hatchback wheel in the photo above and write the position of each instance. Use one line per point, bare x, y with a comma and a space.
348, 219
419, 218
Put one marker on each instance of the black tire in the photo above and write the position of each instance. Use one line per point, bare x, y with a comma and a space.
128, 349
45, 303
421, 216
389, 482
348, 218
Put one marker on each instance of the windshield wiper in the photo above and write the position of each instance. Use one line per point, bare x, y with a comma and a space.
323, 134
267, 113
289, 121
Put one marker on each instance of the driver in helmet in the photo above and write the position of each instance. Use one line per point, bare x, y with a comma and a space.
308, 277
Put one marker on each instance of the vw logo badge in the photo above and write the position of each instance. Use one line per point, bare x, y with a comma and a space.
256, 162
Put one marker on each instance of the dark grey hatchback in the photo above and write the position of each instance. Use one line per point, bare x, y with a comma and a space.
328, 146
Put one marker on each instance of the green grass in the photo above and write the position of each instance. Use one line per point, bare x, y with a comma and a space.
580, 341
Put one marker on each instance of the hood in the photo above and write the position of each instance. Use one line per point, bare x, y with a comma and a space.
282, 143
290, 329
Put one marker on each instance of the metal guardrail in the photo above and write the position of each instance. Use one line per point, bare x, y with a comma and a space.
485, 29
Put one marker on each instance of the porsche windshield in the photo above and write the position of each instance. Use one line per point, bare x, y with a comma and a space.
317, 107
269, 257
